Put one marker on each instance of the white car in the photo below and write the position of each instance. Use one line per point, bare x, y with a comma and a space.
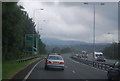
54, 61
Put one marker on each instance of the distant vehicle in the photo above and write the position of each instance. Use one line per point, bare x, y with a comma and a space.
101, 59
97, 54
54, 61
53, 54
84, 54
77, 55
114, 72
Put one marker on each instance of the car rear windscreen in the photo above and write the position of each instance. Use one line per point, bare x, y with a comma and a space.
55, 58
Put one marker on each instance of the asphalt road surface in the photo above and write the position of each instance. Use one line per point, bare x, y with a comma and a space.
90, 57
73, 70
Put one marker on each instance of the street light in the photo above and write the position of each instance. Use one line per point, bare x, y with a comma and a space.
86, 3
35, 12
42, 21
33, 27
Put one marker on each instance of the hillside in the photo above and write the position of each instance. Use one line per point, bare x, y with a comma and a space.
77, 45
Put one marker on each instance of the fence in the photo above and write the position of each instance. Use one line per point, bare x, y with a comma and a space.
25, 59
95, 64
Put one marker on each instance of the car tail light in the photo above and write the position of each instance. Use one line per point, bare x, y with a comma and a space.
61, 62
48, 62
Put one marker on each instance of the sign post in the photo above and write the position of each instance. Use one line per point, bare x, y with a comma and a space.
29, 43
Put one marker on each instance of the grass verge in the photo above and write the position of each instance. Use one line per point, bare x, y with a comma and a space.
10, 68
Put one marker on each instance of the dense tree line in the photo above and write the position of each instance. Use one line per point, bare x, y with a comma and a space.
63, 50
112, 51
67, 50
41, 49
15, 24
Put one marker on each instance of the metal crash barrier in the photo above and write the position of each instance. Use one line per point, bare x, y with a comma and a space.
95, 64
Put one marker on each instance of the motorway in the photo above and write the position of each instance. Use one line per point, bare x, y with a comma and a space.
108, 61
73, 70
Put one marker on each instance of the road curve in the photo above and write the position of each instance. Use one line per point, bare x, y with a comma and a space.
73, 70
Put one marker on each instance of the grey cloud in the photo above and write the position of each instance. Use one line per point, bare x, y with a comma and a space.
73, 20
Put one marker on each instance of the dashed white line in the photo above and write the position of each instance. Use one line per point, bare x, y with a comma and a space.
89, 66
75, 61
26, 77
94, 67
73, 71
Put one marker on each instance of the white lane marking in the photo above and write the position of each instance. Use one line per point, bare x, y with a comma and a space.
73, 71
89, 66
26, 77
75, 61
94, 67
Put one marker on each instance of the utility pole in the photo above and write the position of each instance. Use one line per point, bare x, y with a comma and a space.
34, 30
94, 5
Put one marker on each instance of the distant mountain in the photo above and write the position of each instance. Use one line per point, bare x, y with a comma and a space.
53, 41
77, 45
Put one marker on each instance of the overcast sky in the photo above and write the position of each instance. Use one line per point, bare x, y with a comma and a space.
74, 20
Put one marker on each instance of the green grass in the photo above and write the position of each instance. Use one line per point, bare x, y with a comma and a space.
9, 68
0, 71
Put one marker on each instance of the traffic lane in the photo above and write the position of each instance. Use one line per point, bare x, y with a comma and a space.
84, 71
89, 72
72, 70
68, 73
40, 73
108, 61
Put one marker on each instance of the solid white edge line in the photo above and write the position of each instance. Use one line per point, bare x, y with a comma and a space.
94, 67
26, 77
75, 61
88, 65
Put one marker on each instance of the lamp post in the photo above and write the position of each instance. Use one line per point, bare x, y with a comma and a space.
93, 24
34, 28
41, 21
